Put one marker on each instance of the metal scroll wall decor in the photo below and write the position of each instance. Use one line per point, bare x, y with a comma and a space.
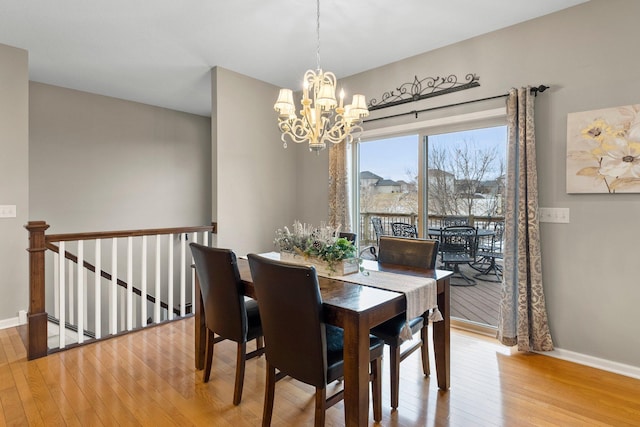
422, 89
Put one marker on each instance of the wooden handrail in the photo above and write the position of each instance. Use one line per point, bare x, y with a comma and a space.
126, 233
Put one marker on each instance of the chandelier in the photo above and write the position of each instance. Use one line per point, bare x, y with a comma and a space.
322, 118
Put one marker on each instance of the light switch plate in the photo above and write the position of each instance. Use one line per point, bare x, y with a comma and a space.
557, 215
7, 211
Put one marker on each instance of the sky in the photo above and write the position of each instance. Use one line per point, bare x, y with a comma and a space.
391, 157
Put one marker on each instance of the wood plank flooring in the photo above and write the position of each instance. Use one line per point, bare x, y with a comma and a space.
147, 378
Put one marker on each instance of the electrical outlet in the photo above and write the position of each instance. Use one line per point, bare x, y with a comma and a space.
7, 211
557, 215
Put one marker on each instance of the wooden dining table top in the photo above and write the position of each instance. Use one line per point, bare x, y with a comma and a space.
351, 296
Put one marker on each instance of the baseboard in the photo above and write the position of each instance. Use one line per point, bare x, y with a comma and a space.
569, 356
594, 362
11, 322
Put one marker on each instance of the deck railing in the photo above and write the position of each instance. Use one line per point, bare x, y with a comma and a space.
368, 236
76, 282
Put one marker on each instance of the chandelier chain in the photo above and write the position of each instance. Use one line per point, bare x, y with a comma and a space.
318, 33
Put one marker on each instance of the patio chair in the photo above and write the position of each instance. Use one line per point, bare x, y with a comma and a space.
452, 220
402, 229
378, 229
458, 245
490, 253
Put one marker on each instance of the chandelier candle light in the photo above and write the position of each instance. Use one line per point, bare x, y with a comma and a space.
321, 119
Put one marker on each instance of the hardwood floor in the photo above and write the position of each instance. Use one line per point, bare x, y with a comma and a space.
147, 378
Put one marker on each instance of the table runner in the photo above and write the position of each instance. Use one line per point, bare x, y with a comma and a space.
420, 292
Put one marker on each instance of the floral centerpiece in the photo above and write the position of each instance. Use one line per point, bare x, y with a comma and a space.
318, 246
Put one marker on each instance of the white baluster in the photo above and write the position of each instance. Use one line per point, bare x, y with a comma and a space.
113, 296
143, 284
156, 316
183, 249
81, 307
62, 298
170, 280
122, 307
70, 294
97, 277
129, 283
85, 313
56, 285
193, 277
205, 238
85, 303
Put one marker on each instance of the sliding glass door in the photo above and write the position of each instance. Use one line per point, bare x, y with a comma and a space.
387, 185
422, 179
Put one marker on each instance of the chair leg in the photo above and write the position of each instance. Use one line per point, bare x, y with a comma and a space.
269, 392
424, 336
241, 358
394, 367
376, 388
321, 407
260, 342
208, 356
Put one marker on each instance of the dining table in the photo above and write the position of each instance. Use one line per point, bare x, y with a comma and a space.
357, 308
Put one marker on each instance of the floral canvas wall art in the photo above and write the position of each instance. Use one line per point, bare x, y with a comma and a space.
603, 150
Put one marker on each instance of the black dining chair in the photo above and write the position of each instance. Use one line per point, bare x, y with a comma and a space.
298, 341
349, 236
227, 314
411, 252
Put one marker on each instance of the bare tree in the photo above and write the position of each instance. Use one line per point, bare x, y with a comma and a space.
443, 199
456, 176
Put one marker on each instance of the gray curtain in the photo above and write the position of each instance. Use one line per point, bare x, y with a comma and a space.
523, 315
339, 187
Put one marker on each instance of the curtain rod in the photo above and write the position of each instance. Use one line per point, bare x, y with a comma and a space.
534, 91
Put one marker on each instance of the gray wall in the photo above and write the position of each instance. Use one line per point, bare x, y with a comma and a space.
14, 181
101, 163
588, 55
255, 178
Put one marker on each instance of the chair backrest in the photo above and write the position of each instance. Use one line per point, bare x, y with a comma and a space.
460, 239
498, 237
349, 236
291, 313
403, 229
449, 221
219, 279
421, 253
377, 227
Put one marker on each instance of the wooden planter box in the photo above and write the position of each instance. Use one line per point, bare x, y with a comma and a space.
344, 267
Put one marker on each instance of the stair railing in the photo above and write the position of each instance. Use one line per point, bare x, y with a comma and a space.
76, 285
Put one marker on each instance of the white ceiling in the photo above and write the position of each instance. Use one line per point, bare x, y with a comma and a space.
160, 52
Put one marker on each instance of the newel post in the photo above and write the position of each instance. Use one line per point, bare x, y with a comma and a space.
37, 316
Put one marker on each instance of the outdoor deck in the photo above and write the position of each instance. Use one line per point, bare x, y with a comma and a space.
478, 303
